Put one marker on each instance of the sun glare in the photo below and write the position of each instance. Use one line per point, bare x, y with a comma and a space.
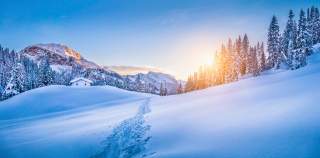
208, 61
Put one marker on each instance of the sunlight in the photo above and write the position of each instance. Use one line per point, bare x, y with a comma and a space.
209, 61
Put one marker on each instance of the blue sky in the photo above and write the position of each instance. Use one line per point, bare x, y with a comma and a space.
176, 36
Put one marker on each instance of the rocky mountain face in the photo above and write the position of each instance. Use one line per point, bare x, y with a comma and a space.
58, 55
68, 62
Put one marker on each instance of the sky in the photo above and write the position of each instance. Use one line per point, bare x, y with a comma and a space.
176, 36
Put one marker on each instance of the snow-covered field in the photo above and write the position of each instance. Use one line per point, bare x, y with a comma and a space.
274, 115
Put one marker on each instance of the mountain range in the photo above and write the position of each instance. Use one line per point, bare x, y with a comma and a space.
65, 60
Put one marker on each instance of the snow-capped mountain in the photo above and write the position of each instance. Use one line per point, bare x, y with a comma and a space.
65, 60
58, 55
156, 79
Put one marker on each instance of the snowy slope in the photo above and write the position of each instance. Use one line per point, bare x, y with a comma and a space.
61, 98
59, 121
274, 115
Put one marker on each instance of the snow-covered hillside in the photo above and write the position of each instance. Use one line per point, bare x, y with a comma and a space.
52, 99
274, 115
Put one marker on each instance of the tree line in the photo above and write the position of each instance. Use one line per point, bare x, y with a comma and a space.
239, 58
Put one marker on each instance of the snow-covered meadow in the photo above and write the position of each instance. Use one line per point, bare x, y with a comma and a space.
274, 115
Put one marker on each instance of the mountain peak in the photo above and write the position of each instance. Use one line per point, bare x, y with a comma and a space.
60, 49
58, 54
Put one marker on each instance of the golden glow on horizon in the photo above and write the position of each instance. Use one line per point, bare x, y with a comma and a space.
195, 49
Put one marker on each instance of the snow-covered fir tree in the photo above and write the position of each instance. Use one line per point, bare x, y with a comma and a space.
302, 49
16, 83
46, 74
275, 56
289, 41
244, 55
253, 62
163, 89
262, 58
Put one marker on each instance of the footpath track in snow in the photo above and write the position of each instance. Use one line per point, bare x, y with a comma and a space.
129, 138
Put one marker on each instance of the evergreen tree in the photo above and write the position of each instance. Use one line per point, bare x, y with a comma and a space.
189, 85
238, 47
16, 82
262, 62
140, 86
163, 89
302, 31
252, 62
309, 29
46, 75
244, 55
301, 52
179, 89
289, 40
275, 56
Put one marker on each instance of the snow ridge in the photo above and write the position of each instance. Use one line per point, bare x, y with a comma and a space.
129, 138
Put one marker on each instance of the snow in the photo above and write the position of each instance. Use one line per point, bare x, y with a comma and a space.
52, 99
62, 51
274, 115
61, 68
59, 49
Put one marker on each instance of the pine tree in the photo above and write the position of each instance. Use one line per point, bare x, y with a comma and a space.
309, 29
275, 56
189, 85
161, 89
46, 75
252, 62
302, 31
237, 59
301, 52
262, 62
179, 88
230, 58
244, 55
314, 15
16, 82
289, 40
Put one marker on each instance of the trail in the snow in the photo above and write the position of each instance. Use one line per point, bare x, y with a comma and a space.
129, 138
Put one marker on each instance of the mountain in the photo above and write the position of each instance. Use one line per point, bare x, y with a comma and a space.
69, 63
156, 79
59, 55
273, 115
